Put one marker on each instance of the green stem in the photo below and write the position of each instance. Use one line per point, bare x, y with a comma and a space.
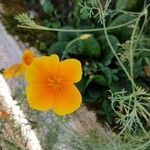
111, 47
147, 61
38, 27
68, 45
131, 50
113, 51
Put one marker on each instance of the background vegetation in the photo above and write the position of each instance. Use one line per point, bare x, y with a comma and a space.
115, 58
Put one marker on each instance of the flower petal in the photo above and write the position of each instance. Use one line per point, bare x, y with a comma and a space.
67, 101
39, 97
71, 69
41, 68
14, 70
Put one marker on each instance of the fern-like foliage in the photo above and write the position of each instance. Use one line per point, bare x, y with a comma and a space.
24, 19
130, 108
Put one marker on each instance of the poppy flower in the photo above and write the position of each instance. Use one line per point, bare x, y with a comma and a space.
50, 84
27, 57
14, 70
3, 114
19, 69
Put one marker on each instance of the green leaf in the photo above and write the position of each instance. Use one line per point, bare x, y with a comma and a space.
100, 80
138, 68
42, 46
86, 81
123, 33
107, 73
90, 79
107, 54
123, 83
66, 36
92, 94
122, 4
84, 14
82, 84
48, 7
57, 48
129, 5
55, 23
74, 49
108, 111
121, 19
147, 43
90, 47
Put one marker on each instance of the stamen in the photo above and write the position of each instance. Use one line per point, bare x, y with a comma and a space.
55, 84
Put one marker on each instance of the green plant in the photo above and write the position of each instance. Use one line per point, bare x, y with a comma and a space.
117, 52
113, 56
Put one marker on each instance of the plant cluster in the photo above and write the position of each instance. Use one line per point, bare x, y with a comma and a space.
111, 39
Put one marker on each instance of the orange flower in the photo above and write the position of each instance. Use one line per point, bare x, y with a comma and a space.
51, 84
3, 114
27, 57
19, 69
14, 70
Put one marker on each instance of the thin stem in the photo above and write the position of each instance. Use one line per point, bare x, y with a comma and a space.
131, 50
68, 45
147, 60
113, 51
38, 27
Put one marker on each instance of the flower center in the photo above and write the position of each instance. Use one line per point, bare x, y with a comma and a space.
55, 84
